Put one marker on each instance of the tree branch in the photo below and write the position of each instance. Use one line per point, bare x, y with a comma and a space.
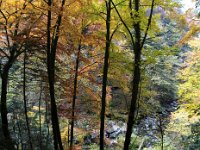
114, 31
125, 25
5, 27
119, 3
148, 25
1, 50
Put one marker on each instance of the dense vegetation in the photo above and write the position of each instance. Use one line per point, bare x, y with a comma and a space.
99, 74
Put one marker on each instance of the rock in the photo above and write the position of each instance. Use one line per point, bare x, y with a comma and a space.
95, 134
113, 132
113, 142
114, 128
123, 128
110, 123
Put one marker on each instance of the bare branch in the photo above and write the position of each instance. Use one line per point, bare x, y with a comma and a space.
5, 27
148, 25
114, 31
119, 3
1, 50
125, 25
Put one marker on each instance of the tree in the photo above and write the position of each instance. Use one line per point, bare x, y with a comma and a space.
138, 45
12, 48
189, 77
25, 101
75, 93
105, 72
51, 54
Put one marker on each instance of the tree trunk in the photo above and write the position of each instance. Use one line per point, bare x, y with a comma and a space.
51, 54
136, 80
40, 117
20, 143
54, 113
51, 84
74, 96
46, 117
105, 74
25, 102
4, 111
137, 45
160, 126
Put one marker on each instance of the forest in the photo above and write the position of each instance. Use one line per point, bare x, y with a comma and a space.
100, 74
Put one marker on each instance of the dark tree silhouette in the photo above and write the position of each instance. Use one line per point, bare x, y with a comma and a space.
138, 45
51, 54
105, 73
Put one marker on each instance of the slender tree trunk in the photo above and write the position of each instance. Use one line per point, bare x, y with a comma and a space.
19, 134
68, 136
47, 119
162, 140
105, 74
136, 80
51, 54
40, 119
161, 131
137, 45
50, 78
25, 102
54, 113
74, 95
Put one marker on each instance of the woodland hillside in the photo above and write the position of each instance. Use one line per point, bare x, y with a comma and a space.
100, 74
